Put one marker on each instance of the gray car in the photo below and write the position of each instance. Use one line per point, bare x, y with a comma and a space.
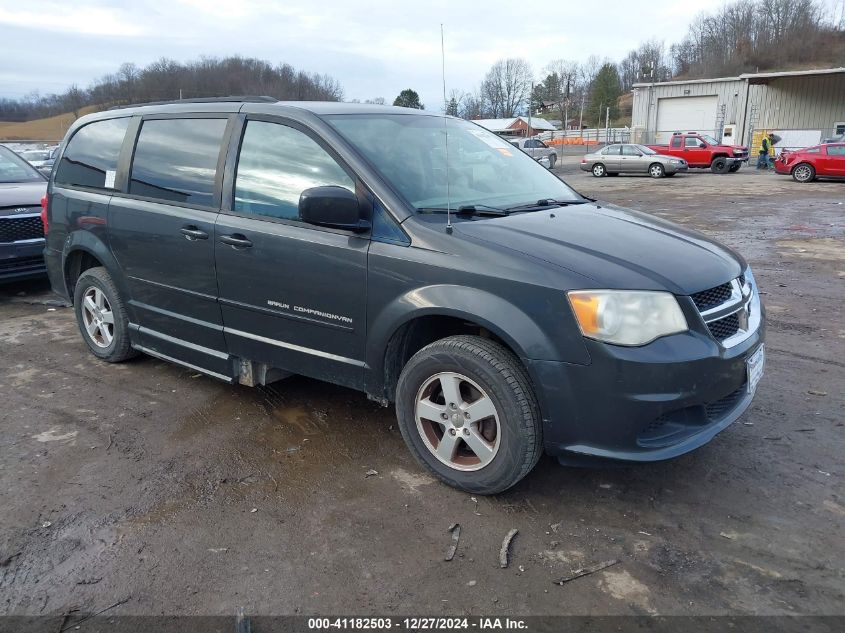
536, 149
502, 312
21, 229
624, 158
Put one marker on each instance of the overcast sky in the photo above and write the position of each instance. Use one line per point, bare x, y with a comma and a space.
374, 48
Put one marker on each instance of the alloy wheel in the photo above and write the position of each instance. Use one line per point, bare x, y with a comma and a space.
457, 421
802, 173
97, 316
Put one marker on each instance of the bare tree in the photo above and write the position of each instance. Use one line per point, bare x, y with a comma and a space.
507, 87
749, 34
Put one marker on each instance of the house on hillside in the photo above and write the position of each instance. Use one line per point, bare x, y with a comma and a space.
516, 126
803, 107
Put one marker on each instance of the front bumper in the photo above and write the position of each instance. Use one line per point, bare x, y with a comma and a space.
22, 260
645, 403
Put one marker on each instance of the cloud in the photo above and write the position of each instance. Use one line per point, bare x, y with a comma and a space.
72, 18
373, 47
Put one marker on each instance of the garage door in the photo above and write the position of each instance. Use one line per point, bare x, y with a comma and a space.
685, 114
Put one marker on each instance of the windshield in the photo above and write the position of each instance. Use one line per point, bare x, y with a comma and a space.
709, 139
409, 151
14, 169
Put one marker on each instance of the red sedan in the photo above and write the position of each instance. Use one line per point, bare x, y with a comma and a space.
821, 161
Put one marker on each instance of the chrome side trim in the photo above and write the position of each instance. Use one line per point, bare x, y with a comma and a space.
171, 359
295, 348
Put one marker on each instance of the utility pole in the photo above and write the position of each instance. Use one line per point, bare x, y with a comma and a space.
530, 98
581, 118
607, 126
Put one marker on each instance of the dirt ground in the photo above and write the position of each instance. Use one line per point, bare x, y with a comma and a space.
148, 483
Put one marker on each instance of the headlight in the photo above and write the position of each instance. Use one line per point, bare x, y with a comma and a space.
626, 317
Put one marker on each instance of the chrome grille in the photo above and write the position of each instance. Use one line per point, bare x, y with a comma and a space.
15, 229
730, 310
713, 297
724, 328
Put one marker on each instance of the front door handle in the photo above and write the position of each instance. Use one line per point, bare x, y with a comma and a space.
236, 239
192, 233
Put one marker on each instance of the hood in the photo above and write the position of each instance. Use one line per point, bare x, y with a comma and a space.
617, 248
21, 194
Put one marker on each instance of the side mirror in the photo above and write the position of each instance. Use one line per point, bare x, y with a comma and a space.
702, 144
333, 207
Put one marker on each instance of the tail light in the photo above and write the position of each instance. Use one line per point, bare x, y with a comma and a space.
44, 213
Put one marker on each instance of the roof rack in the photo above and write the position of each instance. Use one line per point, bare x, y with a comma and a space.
233, 98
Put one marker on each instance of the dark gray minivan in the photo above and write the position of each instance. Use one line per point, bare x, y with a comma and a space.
503, 313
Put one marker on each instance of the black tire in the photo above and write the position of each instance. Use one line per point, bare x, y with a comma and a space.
656, 170
719, 165
735, 167
501, 375
118, 349
803, 172
599, 170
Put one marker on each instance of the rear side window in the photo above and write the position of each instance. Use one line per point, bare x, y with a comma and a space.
276, 164
611, 150
90, 159
676, 141
176, 160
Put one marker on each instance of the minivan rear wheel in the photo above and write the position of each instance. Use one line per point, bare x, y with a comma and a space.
101, 316
468, 413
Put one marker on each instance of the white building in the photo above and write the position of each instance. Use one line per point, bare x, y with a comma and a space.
802, 107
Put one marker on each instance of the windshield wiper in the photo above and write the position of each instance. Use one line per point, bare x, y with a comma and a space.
468, 209
545, 203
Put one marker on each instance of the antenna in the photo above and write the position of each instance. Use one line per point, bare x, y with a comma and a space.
445, 130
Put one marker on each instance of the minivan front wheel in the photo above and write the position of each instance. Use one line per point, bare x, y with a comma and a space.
101, 316
468, 413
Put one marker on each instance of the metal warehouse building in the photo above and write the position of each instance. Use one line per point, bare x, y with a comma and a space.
802, 107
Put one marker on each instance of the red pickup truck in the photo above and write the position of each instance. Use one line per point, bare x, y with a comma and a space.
702, 150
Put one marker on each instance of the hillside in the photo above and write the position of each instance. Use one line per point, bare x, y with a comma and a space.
49, 129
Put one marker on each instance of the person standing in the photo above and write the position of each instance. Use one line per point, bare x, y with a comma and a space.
763, 154
764, 160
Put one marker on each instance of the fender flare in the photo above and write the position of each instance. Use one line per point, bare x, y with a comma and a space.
88, 242
498, 315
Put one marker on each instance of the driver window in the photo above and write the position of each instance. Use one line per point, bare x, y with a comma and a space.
630, 150
691, 141
276, 164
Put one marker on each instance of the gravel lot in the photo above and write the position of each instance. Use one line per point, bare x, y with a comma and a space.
182, 495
